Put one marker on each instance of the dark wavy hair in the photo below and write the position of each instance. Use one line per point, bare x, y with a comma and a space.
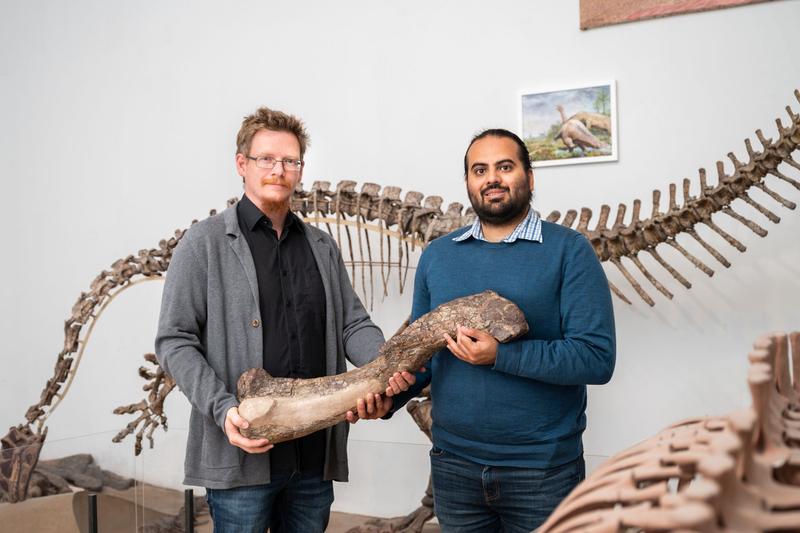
522, 150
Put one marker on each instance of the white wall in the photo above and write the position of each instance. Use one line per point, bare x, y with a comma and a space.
118, 126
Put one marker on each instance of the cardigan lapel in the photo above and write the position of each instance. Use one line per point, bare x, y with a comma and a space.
322, 255
239, 245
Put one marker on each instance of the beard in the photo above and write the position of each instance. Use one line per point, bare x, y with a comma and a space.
271, 204
500, 212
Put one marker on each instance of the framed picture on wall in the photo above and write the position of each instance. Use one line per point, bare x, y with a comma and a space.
571, 125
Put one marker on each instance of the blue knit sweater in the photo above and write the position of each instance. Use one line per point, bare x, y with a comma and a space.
528, 409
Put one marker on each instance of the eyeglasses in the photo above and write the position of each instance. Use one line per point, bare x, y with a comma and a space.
289, 164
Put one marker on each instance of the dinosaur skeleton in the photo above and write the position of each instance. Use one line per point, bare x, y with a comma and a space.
739, 472
407, 223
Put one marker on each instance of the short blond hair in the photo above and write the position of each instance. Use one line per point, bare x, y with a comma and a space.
269, 119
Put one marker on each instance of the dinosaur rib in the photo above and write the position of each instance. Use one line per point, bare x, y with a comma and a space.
663, 290
675, 274
755, 228
635, 284
709, 248
777, 197
618, 293
695, 261
725, 235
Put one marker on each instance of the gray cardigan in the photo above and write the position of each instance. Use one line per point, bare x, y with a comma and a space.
209, 333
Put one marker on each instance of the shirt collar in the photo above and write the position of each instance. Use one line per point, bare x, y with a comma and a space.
529, 229
252, 216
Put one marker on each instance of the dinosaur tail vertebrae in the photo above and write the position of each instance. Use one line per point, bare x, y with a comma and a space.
623, 240
739, 472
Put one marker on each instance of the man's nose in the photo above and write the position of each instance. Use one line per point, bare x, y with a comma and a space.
492, 176
277, 170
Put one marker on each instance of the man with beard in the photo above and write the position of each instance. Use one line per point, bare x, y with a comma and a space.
256, 287
508, 418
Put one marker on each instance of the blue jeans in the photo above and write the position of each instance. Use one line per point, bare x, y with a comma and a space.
469, 496
292, 502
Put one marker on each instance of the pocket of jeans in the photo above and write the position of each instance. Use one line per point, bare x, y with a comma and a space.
436, 452
208, 501
565, 478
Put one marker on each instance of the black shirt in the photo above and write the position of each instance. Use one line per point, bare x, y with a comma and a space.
291, 300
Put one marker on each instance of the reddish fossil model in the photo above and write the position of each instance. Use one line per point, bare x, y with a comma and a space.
739, 472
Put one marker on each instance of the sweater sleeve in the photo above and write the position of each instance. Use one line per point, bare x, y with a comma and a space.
421, 304
361, 337
179, 345
586, 352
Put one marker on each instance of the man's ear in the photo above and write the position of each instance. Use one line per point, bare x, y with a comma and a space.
241, 162
530, 178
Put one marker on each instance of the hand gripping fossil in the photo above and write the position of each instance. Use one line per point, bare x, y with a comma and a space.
282, 409
402, 225
739, 472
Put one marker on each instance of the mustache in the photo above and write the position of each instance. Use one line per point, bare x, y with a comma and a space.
274, 181
494, 186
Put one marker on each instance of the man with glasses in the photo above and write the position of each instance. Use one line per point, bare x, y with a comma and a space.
508, 418
256, 287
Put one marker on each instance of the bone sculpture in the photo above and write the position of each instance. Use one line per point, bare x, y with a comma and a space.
403, 224
281, 409
739, 472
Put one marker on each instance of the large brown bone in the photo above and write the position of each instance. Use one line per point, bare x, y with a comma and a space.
281, 409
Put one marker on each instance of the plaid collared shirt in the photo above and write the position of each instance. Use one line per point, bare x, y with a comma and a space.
529, 229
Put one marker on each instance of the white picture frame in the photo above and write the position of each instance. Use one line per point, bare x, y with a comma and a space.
584, 130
